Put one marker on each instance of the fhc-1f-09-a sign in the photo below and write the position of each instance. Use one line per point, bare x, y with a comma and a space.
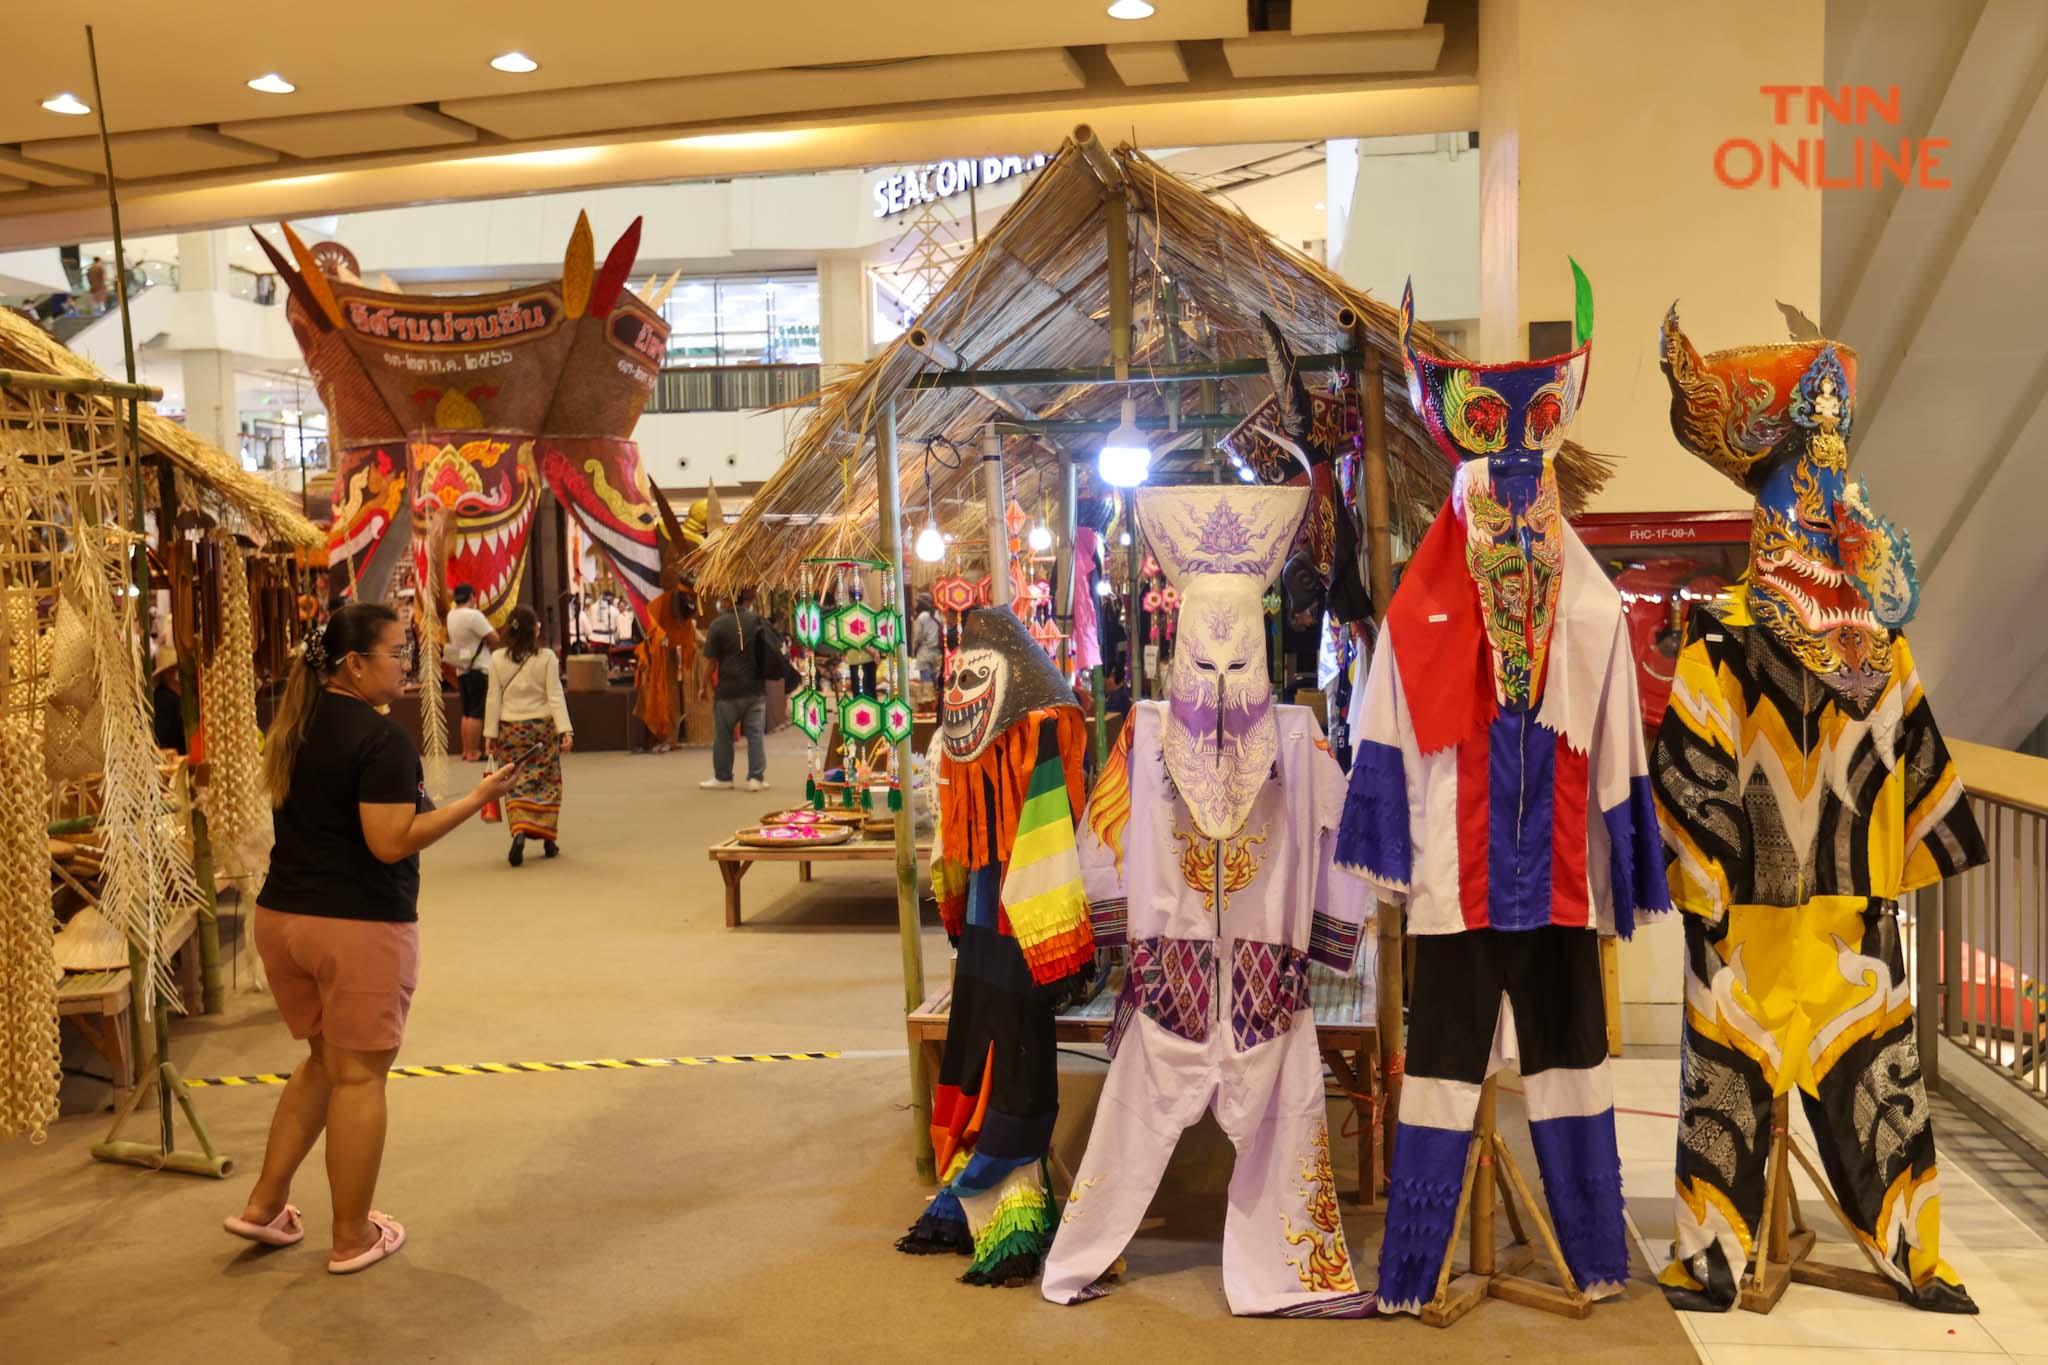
942, 179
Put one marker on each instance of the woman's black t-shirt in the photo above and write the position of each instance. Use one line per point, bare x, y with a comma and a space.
321, 864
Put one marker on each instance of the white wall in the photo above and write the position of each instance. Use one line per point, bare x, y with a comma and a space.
726, 448
1415, 214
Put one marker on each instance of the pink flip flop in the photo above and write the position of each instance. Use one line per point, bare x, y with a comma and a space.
282, 1231
390, 1237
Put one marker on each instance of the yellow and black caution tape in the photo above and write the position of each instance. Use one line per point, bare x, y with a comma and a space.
523, 1068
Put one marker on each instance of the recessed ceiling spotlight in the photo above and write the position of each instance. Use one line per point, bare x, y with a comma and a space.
272, 84
1130, 9
517, 63
66, 103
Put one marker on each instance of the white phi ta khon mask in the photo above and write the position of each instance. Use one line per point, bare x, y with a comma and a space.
1222, 548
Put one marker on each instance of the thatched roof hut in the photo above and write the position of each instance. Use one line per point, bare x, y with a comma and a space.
265, 510
1034, 292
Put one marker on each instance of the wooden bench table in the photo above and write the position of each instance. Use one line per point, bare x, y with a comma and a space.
1347, 1032
734, 858
98, 1004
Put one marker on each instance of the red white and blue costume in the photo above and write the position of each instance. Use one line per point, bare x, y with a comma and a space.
1499, 790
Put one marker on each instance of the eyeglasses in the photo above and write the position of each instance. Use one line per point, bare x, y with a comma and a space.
404, 654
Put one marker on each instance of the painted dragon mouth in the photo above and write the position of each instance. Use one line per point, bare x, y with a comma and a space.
1823, 596
967, 725
489, 558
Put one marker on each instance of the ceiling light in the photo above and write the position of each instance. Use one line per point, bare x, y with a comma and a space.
1102, 587
1124, 539
1130, 9
931, 546
1246, 475
272, 84
516, 63
559, 156
1125, 459
1040, 539
66, 103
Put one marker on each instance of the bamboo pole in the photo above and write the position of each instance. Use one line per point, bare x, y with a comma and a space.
1482, 1262
998, 521
907, 912
64, 383
959, 377
1380, 560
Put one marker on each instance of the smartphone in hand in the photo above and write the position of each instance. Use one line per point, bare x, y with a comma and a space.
532, 752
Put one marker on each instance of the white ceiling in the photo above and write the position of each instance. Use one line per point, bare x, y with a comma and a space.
642, 91
1943, 294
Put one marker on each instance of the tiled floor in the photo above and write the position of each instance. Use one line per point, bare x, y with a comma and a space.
1992, 1205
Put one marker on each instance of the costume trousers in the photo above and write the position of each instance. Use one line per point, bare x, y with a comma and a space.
1482, 997
1813, 996
1283, 1246
993, 1108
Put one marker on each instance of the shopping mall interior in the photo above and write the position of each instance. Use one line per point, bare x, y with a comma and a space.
585, 608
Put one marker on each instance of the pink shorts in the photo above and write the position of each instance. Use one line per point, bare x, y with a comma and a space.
348, 980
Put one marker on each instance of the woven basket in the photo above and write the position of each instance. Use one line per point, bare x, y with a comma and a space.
817, 836
71, 658
73, 746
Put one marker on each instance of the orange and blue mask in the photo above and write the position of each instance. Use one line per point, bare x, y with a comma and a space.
1828, 576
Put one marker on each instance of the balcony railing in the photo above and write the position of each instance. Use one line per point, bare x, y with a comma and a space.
1981, 939
732, 388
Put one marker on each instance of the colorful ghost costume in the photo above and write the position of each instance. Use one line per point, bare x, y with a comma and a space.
1206, 852
1499, 789
1803, 788
1008, 882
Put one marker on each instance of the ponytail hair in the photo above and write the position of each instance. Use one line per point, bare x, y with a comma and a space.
351, 630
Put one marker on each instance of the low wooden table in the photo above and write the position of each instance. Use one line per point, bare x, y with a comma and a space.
1346, 1032
734, 858
98, 1004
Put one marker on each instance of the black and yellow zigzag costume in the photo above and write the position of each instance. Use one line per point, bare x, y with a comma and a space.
1794, 819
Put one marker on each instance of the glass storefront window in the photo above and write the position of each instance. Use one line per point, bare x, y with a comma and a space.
744, 320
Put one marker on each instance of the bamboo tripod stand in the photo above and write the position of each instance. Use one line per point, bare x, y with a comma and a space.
1784, 1243
1489, 1273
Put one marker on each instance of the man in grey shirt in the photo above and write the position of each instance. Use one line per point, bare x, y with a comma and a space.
740, 698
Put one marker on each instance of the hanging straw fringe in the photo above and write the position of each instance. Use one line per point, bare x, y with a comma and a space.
237, 809
147, 880
29, 1048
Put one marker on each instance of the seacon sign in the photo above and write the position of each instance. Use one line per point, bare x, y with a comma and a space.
914, 185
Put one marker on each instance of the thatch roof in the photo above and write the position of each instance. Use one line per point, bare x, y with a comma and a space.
24, 346
1034, 293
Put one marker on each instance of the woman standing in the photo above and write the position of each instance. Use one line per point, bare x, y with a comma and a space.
337, 920
525, 708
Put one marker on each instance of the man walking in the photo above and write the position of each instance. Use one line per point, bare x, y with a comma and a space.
471, 637
740, 698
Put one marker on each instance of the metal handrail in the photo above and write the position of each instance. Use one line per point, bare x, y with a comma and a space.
1981, 938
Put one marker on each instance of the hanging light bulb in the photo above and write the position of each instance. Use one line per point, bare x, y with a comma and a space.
1039, 539
1125, 459
931, 546
1246, 475
1102, 588
1124, 539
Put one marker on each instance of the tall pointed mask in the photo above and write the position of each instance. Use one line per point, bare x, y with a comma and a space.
1222, 548
1828, 577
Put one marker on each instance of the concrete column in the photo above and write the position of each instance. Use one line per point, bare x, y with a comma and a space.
842, 310
210, 410
1598, 125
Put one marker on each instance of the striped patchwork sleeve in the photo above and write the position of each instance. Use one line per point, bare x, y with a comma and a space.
1373, 839
1941, 836
1696, 780
1042, 895
1343, 905
1621, 789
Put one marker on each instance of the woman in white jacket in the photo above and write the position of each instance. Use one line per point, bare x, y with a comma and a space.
524, 709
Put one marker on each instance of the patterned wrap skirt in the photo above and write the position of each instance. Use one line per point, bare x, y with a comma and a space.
534, 805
